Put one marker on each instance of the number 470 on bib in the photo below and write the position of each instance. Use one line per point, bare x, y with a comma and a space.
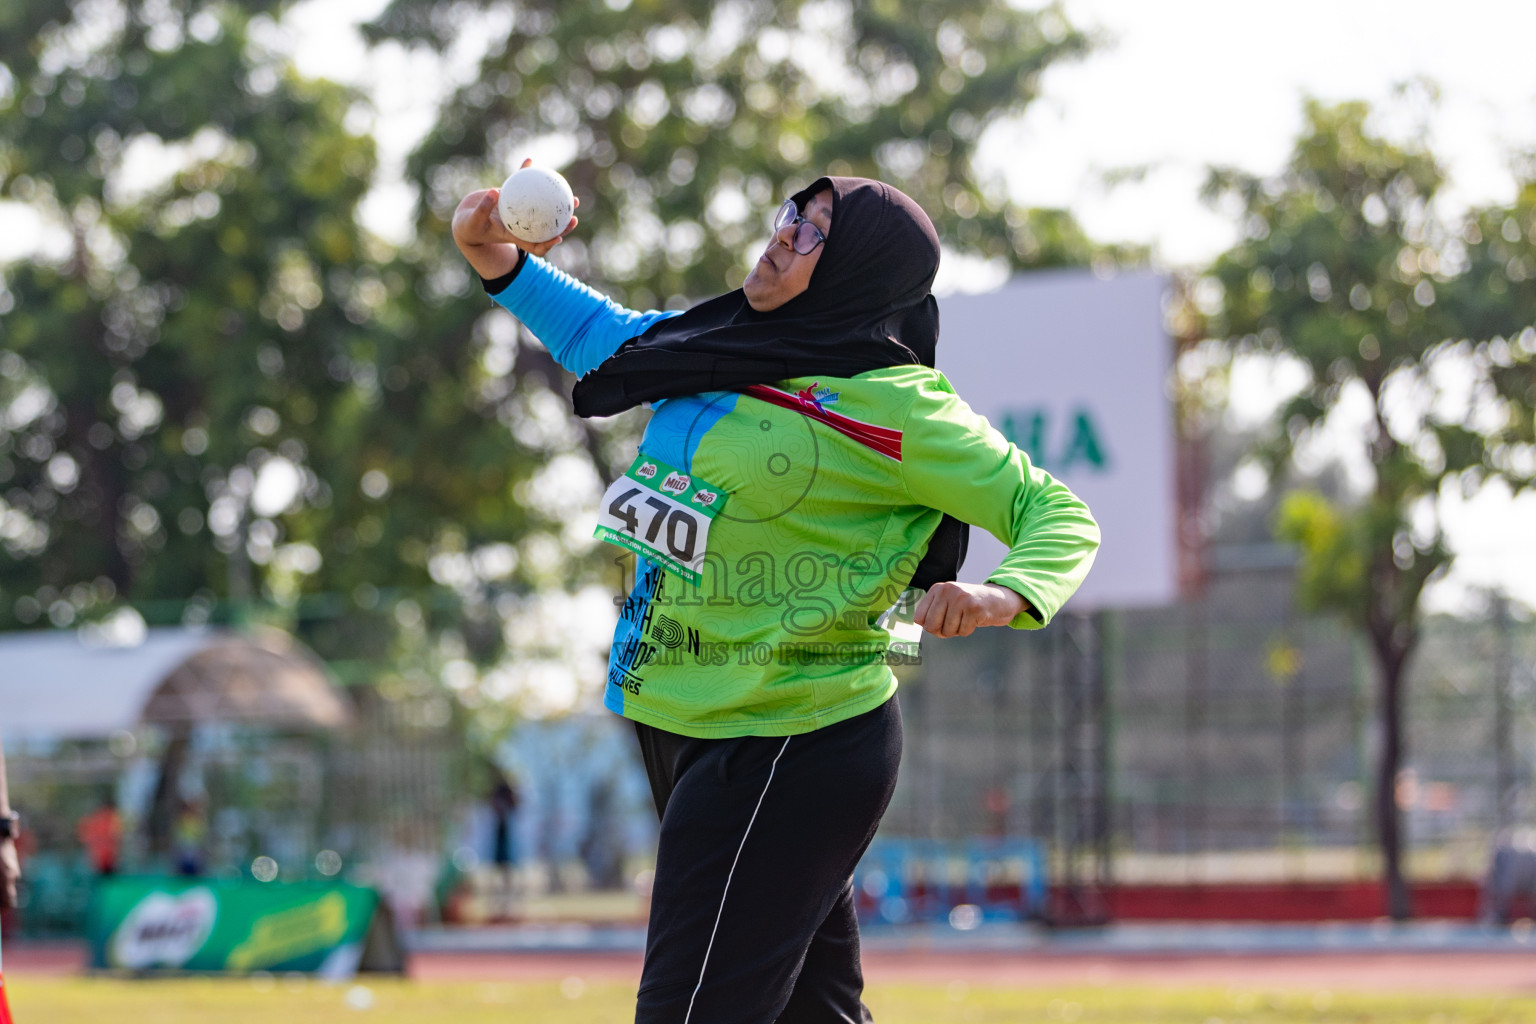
662, 514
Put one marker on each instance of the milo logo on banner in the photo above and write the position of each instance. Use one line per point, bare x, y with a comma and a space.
164, 930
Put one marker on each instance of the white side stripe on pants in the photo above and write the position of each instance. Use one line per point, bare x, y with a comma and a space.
728, 876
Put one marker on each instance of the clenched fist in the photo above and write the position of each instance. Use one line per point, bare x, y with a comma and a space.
959, 609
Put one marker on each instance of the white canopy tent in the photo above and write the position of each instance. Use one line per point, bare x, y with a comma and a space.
69, 685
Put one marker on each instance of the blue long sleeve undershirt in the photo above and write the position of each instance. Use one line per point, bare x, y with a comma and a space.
580, 326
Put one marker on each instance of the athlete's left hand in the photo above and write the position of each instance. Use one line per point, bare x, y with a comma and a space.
959, 609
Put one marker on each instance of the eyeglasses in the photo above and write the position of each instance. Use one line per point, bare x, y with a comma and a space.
807, 235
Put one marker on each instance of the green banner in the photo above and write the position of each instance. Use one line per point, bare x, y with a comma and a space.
147, 924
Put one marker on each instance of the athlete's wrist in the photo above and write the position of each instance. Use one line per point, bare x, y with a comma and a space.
496, 285
491, 259
1006, 604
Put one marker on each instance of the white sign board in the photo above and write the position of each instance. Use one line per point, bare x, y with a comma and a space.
1074, 369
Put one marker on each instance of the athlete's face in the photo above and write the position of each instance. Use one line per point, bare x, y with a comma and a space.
782, 273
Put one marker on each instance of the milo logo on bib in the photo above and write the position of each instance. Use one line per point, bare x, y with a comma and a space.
667, 521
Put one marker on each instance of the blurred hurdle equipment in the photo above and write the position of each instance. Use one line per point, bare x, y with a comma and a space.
964, 883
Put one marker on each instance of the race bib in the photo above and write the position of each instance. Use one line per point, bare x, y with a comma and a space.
662, 514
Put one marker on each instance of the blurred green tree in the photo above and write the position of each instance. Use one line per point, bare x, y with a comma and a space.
209, 387
1404, 327
685, 124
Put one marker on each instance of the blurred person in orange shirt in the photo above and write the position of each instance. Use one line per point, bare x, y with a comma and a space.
101, 833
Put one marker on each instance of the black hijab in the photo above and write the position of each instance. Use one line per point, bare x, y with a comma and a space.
868, 306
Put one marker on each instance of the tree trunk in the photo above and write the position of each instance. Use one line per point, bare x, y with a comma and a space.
1391, 622
1391, 662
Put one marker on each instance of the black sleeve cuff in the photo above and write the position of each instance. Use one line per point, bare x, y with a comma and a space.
497, 285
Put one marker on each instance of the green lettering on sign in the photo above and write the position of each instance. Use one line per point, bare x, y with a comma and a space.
1032, 438
1084, 445
1030, 429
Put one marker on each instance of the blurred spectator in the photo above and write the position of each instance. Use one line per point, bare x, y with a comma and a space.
10, 866
1509, 889
101, 833
503, 816
602, 849
189, 836
503, 849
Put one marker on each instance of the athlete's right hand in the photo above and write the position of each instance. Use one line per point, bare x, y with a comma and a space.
485, 241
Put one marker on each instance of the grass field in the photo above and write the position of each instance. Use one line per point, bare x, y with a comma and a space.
574, 1001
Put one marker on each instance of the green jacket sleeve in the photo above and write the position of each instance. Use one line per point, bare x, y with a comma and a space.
953, 460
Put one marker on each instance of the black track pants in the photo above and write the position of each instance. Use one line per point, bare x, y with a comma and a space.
752, 917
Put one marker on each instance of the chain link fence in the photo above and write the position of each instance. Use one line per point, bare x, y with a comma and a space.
1228, 738
374, 802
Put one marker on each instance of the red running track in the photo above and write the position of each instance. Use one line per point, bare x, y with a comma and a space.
1451, 973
